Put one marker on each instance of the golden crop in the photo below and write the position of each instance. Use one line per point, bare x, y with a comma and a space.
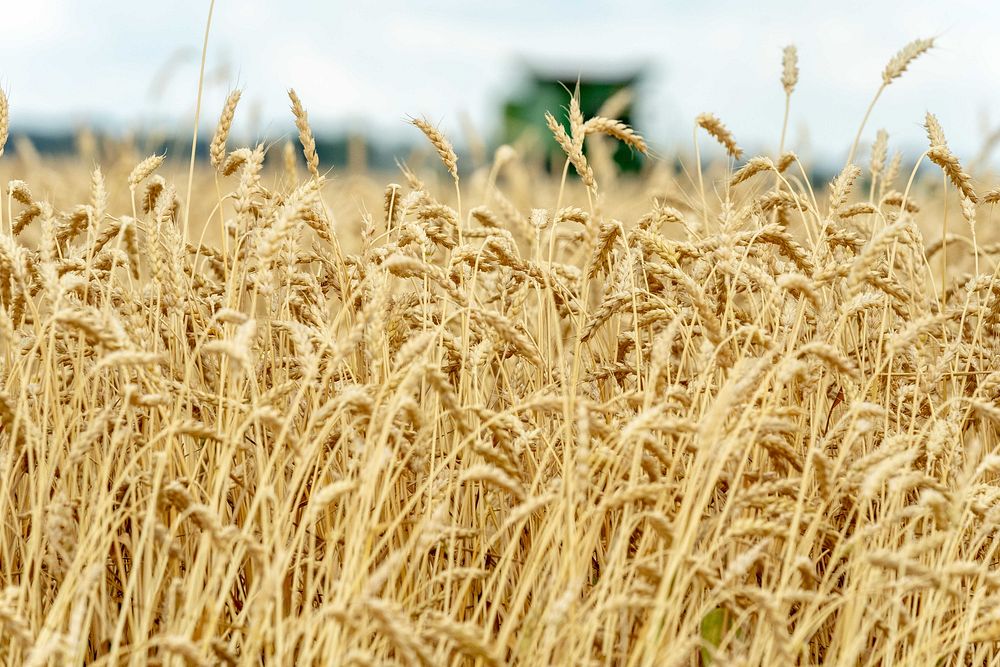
722, 416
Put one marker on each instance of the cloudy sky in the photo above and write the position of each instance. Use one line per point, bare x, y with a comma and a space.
367, 66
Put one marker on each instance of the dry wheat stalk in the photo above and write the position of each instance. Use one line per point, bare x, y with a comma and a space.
573, 151
789, 68
98, 196
935, 133
447, 444
19, 191
4, 120
305, 134
711, 124
754, 166
441, 144
616, 129
951, 166
217, 149
144, 169
879, 151
903, 58
841, 187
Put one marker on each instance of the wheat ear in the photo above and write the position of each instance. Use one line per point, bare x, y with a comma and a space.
217, 150
305, 134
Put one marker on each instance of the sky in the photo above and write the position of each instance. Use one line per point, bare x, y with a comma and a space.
367, 67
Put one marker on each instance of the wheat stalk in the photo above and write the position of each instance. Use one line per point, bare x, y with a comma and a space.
144, 170
718, 131
4, 120
441, 144
904, 58
564, 427
305, 134
217, 149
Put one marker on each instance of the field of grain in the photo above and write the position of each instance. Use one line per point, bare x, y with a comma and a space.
256, 412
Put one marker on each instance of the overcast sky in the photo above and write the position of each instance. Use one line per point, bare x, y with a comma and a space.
366, 66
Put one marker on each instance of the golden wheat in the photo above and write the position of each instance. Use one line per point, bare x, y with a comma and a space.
639, 424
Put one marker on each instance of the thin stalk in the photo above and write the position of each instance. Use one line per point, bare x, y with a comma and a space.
864, 121
197, 116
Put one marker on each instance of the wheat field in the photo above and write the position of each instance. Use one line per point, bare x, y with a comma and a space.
721, 415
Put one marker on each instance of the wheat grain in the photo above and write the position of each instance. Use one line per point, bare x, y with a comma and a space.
789, 68
753, 167
4, 120
217, 149
714, 127
573, 151
943, 157
840, 189
558, 426
305, 134
19, 191
616, 129
441, 144
903, 58
879, 152
144, 170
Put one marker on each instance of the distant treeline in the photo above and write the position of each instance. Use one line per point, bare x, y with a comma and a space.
333, 151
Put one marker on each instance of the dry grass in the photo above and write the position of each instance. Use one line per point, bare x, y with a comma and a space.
644, 426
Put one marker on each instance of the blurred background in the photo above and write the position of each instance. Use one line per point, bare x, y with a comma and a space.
485, 72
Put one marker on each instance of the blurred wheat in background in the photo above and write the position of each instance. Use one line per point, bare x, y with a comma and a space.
492, 414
